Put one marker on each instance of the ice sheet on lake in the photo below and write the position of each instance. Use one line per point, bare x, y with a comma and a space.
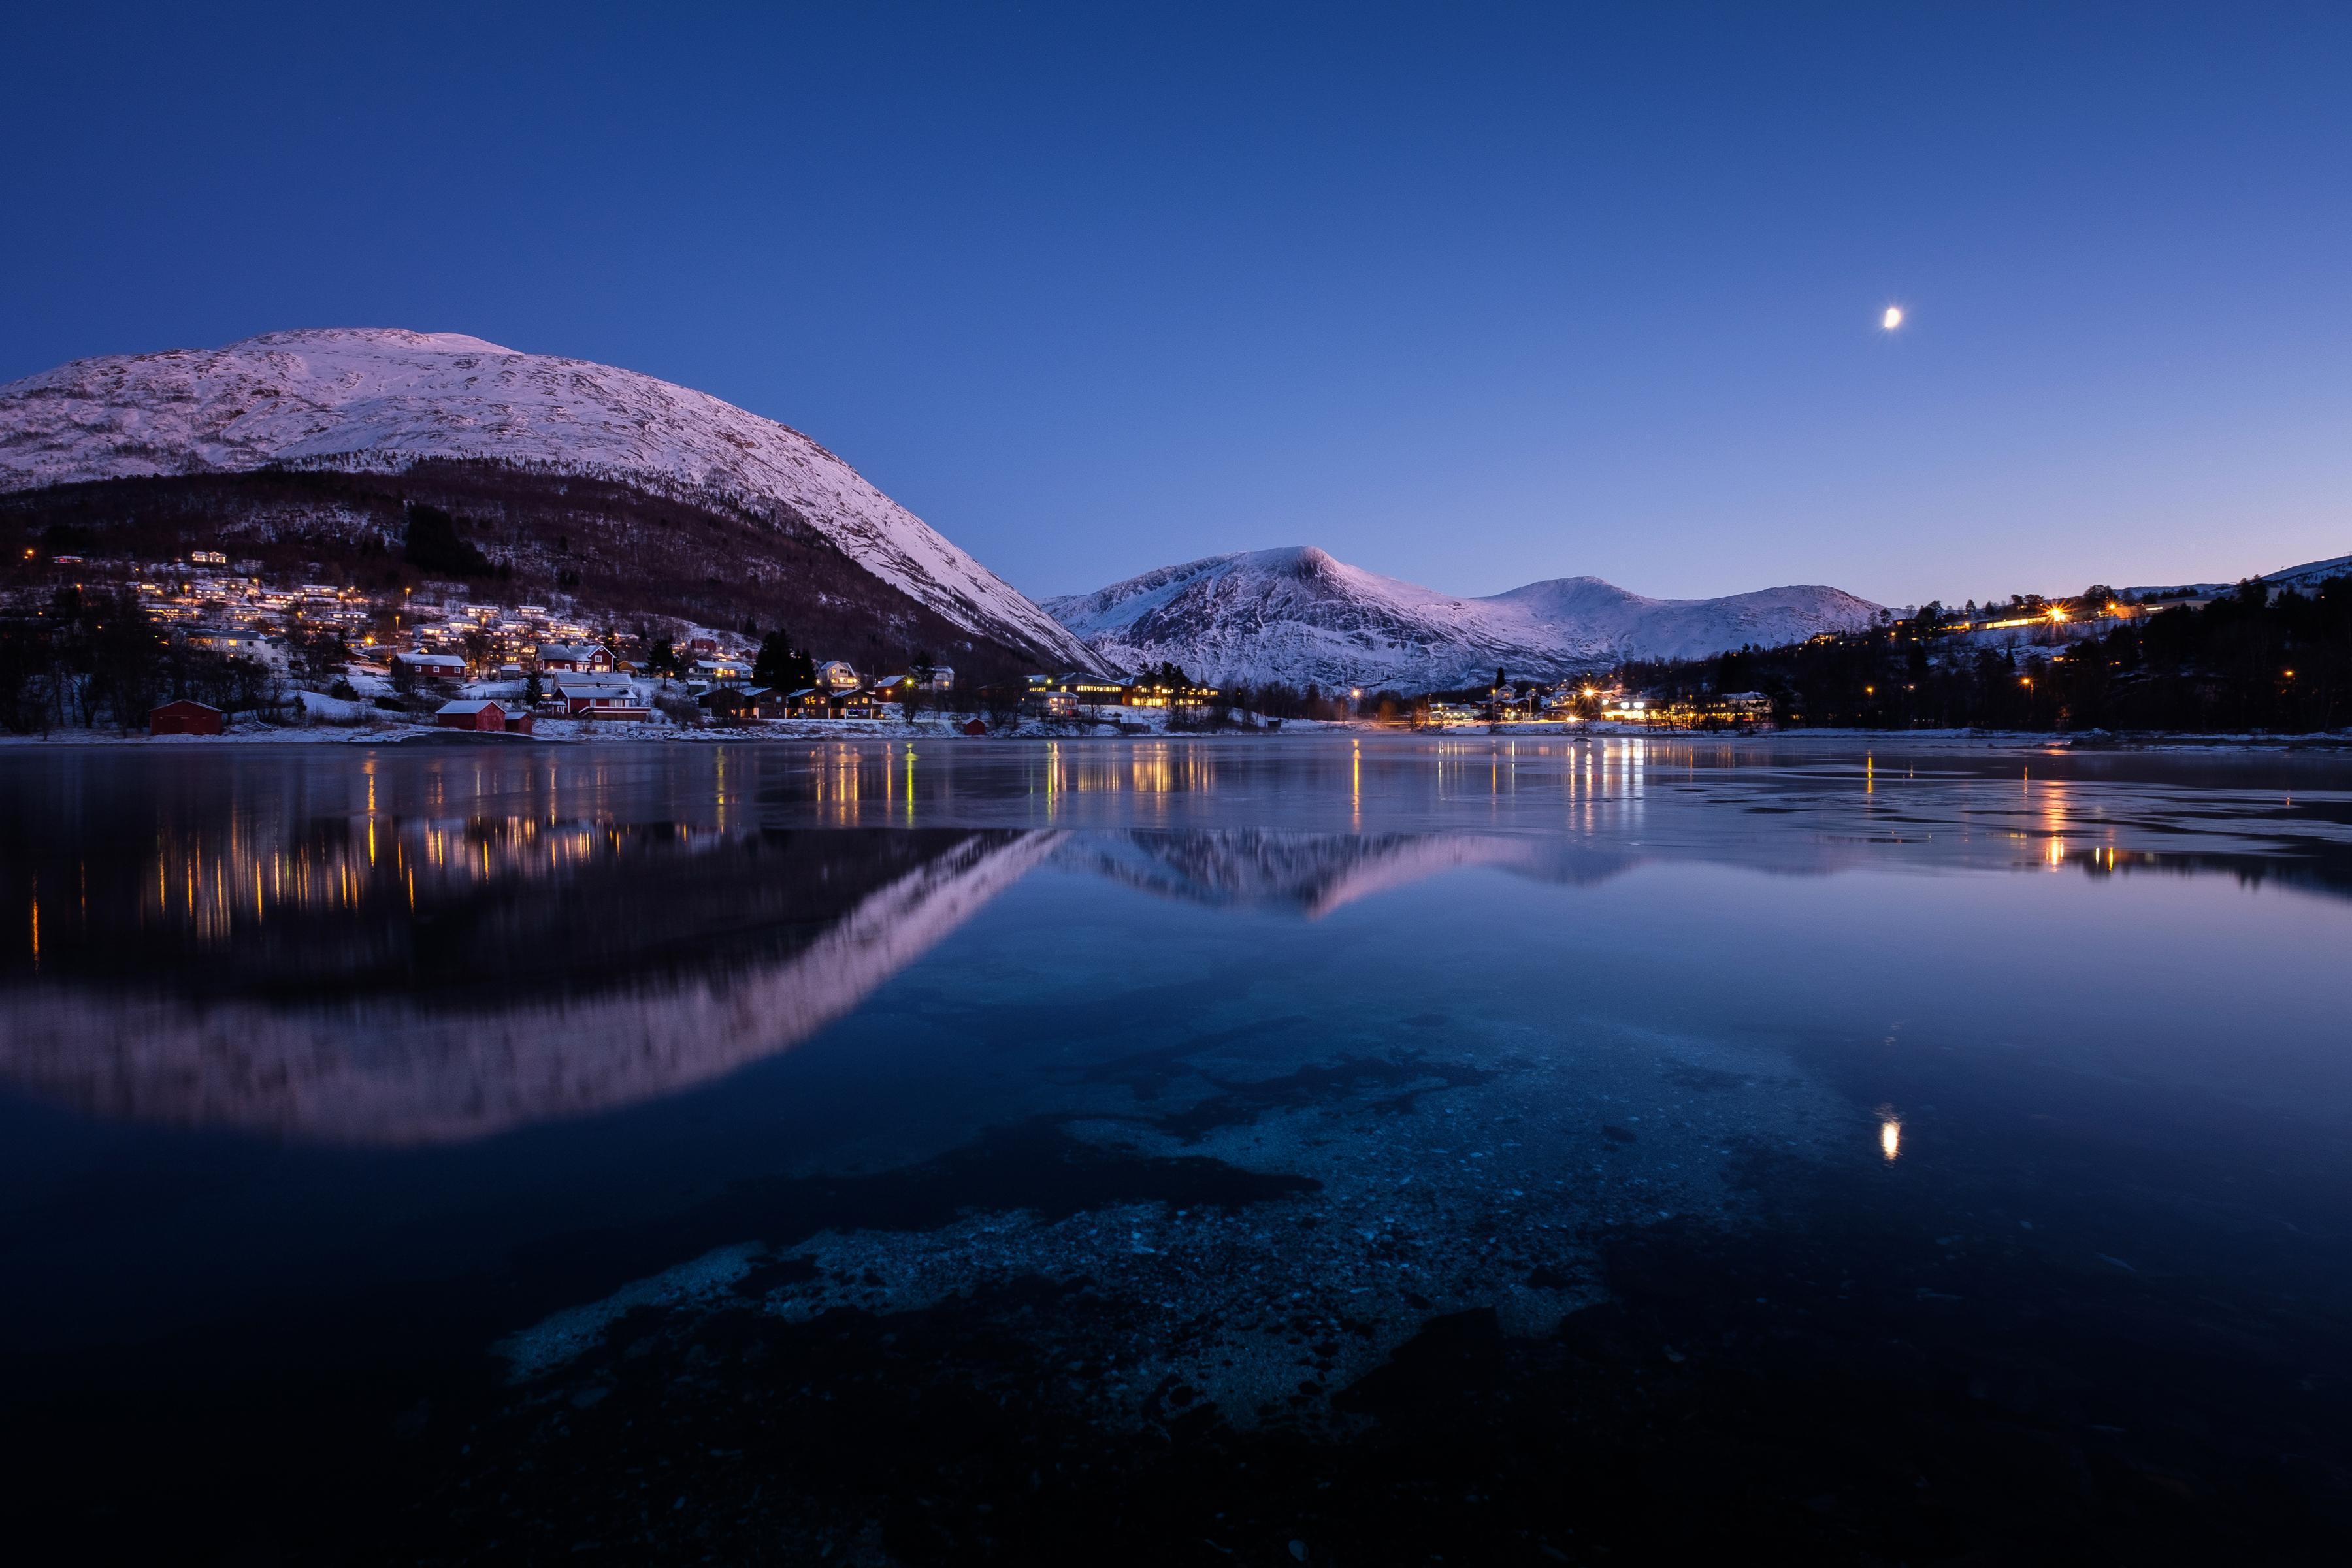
1487, 1191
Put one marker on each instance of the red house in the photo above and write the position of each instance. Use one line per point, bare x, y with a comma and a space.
185, 717
482, 715
574, 659
593, 701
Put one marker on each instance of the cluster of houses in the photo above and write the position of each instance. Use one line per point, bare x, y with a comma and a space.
522, 662
706, 664
1075, 694
588, 681
209, 601
441, 639
1574, 701
840, 692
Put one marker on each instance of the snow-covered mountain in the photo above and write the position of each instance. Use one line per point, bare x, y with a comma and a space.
1296, 615
2302, 579
384, 401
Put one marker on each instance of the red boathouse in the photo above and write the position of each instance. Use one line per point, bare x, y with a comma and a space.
481, 715
185, 718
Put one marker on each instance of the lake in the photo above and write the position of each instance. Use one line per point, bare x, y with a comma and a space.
1311, 1149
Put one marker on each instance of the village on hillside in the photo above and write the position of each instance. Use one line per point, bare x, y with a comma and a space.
203, 643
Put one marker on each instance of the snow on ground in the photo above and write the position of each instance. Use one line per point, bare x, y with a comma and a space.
362, 723
317, 705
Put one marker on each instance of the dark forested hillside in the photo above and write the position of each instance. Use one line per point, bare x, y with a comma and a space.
2254, 660
516, 536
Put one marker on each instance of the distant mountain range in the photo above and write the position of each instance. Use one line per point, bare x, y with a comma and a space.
630, 497
1297, 616
2308, 575
630, 494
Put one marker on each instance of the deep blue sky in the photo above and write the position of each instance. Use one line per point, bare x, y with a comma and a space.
1469, 295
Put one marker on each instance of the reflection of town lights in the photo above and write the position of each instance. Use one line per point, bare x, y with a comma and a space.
1890, 1138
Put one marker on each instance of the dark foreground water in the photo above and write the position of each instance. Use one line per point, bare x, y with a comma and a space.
1489, 1151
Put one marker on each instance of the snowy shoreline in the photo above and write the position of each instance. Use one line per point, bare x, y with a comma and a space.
559, 732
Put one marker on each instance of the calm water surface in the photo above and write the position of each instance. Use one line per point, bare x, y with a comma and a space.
1307, 1150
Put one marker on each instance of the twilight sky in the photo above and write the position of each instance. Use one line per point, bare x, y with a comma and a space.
1470, 295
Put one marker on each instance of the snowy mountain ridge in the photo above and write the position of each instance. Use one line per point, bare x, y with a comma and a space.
2303, 578
1296, 615
381, 399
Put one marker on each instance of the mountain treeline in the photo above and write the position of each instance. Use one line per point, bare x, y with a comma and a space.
97, 660
2251, 660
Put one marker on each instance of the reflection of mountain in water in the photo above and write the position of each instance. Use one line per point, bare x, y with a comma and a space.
362, 977
1315, 873
375, 980
524, 1000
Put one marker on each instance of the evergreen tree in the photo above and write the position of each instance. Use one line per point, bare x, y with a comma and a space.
434, 544
780, 665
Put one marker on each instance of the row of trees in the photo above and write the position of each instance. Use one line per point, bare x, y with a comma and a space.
2250, 660
1276, 699
100, 659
